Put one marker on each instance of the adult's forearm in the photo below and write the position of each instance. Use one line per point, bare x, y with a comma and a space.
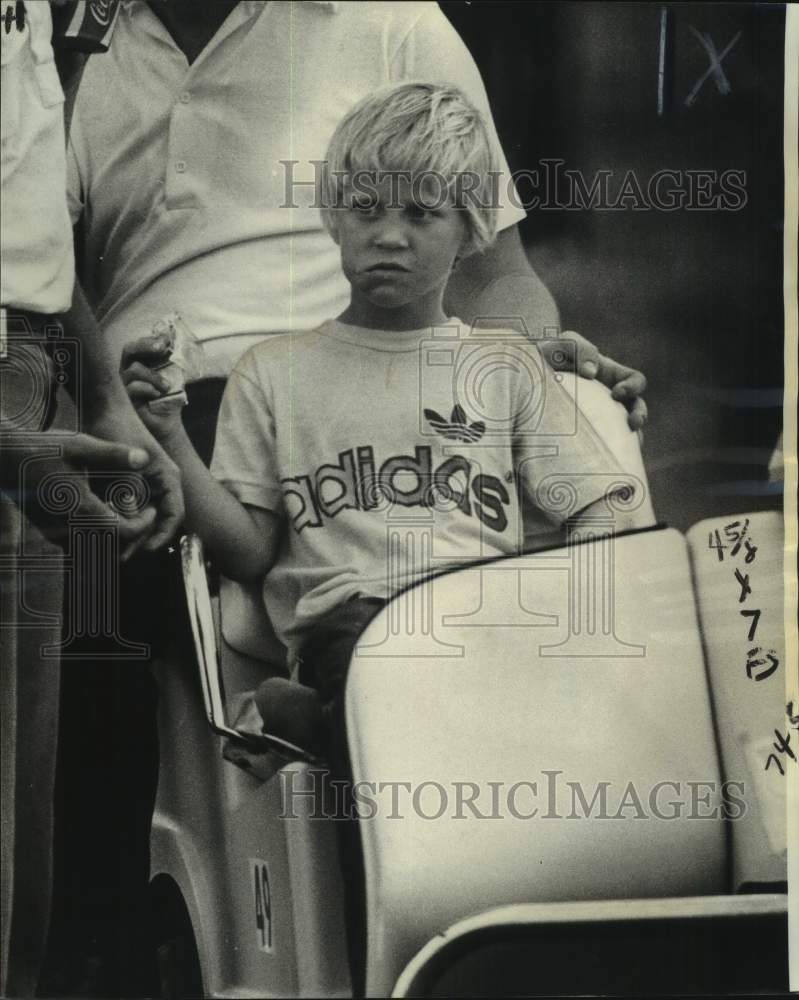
509, 298
98, 373
499, 286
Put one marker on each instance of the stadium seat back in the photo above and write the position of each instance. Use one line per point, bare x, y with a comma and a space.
572, 682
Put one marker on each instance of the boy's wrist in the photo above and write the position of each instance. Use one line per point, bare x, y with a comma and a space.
173, 439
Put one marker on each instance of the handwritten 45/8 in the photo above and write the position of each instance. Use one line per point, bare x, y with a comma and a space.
262, 897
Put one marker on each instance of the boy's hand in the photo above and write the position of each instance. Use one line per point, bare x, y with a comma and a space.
139, 374
626, 384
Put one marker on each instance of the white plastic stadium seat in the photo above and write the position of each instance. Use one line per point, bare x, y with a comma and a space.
608, 688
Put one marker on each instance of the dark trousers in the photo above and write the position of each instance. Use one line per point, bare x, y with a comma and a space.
108, 772
325, 659
30, 600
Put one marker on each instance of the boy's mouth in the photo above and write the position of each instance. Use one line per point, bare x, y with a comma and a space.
386, 265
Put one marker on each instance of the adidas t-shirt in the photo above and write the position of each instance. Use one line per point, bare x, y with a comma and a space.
396, 455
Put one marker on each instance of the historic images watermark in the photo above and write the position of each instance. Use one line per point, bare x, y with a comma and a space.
548, 795
549, 186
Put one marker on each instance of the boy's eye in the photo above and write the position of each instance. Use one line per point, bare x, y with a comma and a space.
418, 212
364, 204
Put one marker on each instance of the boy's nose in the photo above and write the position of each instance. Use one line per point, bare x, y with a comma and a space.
391, 234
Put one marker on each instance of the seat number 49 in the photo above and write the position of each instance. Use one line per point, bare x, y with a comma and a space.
262, 894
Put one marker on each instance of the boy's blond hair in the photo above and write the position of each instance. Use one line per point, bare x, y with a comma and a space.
417, 130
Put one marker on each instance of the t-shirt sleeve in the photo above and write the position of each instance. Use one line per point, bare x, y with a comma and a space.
561, 459
433, 51
245, 446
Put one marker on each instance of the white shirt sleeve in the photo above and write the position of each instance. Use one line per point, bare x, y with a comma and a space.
37, 269
432, 50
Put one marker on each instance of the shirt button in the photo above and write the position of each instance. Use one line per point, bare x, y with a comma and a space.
180, 166
185, 97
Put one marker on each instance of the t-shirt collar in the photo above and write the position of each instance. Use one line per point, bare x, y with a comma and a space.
389, 341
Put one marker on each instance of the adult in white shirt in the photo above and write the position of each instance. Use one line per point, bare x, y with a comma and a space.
36, 282
37, 276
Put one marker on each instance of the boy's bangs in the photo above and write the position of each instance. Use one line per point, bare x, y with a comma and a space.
429, 142
416, 154
399, 182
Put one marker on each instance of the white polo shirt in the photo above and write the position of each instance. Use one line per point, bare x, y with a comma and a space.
178, 168
37, 269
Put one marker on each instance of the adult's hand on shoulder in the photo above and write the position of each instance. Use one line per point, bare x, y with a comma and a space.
626, 384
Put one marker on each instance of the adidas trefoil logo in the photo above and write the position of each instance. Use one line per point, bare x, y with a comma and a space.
457, 428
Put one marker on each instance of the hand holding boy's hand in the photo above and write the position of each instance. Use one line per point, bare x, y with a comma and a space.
139, 372
39, 464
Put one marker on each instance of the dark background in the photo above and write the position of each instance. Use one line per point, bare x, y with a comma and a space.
692, 298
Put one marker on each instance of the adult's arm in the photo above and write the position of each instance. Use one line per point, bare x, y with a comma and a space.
106, 408
499, 284
108, 413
